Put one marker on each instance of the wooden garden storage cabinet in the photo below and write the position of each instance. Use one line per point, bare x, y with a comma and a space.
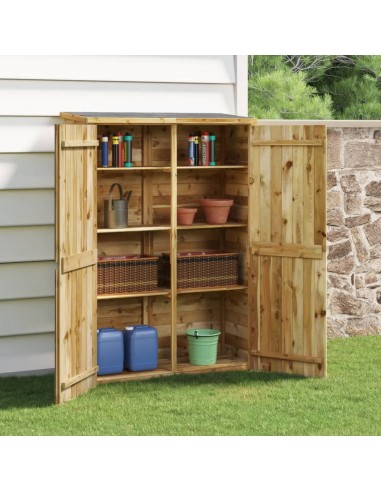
273, 319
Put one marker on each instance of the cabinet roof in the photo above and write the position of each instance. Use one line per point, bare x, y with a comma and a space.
158, 118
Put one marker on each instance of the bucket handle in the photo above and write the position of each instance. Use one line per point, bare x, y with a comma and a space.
110, 194
196, 334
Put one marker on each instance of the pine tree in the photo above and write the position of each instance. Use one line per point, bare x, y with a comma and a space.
315, 86
276, 92
354, 83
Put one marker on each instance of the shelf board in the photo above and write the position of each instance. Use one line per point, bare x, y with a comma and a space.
211, 226
211, 168
164, 369
158, 292
143, 228
211, 289
163, 169
222, 364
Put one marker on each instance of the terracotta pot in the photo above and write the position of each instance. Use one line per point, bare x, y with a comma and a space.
185, 216
216, 211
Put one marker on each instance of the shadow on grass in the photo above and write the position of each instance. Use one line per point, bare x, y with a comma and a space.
217, 378
26, 392
38, 391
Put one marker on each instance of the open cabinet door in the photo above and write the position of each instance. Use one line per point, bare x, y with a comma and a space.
287, 237
76, 256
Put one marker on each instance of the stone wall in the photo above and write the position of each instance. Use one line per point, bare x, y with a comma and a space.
354, 231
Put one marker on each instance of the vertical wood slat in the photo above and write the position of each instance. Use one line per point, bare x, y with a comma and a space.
265, 302
297, 312
147, 199
287, 228
254, 218
320, 238
308, 313
253, 221
222, 337
276, 236
298, 238
291, 287
255, 181
287, 311
80, 211
146, 179
76, 290
287, 181
320, 189
309, 266
173, 247
90, 289
276, 311
320, 342
265, 156
276, 187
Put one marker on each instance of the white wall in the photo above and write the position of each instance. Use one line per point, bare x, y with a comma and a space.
33, 91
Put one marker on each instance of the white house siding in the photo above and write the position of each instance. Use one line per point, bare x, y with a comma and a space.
33, 91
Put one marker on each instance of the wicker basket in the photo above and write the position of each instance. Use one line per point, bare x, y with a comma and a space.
123, 274
201, 269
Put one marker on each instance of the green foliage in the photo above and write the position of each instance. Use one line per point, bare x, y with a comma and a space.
354, 84
314, 66
281, 94
265, 64
347, 402
356, 97
315, 86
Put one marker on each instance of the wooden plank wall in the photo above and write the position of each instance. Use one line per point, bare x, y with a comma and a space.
236, 144
133, 243
183, 131
198, 310
119, 313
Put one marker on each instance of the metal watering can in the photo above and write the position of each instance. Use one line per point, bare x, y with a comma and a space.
116, 211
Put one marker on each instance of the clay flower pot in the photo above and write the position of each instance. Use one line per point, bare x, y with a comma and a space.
216, 211
185, 216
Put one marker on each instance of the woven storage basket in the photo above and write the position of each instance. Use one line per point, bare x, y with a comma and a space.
123, 274
202, 269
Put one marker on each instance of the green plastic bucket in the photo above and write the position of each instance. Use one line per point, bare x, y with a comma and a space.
202, 346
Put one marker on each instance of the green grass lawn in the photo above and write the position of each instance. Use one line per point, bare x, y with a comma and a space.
347, 402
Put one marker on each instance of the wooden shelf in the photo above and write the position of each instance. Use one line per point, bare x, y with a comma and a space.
166, 169
151, 293
211, 289
162, 169
144, 228
210, 168
222, 364
211, 226
164, 369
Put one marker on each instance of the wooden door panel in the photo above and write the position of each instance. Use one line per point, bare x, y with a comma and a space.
287, 245
76, 256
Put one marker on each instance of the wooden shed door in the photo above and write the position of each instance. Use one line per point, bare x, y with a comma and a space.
287, 234
76, 256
